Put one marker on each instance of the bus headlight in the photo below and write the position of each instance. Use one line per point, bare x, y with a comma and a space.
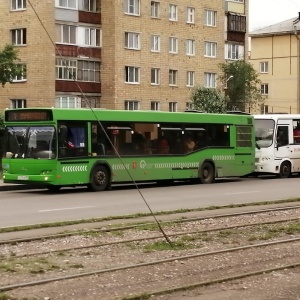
45, 172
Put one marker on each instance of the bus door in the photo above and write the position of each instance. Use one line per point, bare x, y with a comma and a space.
284, 139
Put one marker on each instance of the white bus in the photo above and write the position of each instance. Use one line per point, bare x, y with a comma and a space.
277, 141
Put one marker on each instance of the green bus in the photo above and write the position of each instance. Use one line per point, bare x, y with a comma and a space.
55, 147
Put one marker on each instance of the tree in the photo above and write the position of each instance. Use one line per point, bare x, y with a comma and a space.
8, 66
241, 80
208, 100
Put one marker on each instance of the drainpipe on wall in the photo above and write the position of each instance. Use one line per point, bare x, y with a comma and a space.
298, 66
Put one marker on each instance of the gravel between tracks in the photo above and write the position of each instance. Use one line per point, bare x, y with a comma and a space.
116, 285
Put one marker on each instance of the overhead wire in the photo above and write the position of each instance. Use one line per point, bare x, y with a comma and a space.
102, 127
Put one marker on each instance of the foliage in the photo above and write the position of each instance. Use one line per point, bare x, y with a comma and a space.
8, 66
242, 85
208, 100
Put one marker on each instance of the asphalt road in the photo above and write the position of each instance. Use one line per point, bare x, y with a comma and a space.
35, 206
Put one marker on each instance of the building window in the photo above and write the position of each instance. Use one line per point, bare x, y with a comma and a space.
173, 77
241, 1
89, 5
18, 37
234, 51
264, 109
190, 47
68, 102
17, 103
132, 105
155, 9
23, 74
66, 3
132, 74
155, 76
88, 71
236, 23
132, 40
264, 89
66, 69
189, 106
155, 43
190, 15
264, 67
173, 12
18, 4
210, 49
210, 17
210, 80
66, 34
92, 37
190, 78
155, 105
132, 7
88, 102
173, 45
173, 106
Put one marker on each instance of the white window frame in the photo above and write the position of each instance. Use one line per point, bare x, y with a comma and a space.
155, 43
155, 105
173, 77
65, 69
190, 78
132, 105
190, 15
132, 75
173, 45
71, 101
210, 80
155, 76
155, 9
132, 7
210, 49
69, 4
264, 89
17, 103
18, 5
172, 106
23, 76
173, 12
210, 17
88, 71
190, 47
264, 67
132, 40
19, 37
66, 34
88, 5
234, 51
92, 37
189, 105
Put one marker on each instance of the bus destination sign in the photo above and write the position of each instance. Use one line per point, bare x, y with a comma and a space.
28, 115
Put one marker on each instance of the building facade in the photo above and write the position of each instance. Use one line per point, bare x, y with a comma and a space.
275, 54
121, 54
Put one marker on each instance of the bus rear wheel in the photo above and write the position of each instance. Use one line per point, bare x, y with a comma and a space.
285, 170
207, 173
99, 179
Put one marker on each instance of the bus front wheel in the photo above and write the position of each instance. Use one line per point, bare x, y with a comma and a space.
285, 170
207, 173
99, 180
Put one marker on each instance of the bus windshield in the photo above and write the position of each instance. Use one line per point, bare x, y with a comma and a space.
30, 142
264, 132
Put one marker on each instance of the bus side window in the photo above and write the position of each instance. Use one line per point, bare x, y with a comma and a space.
282, 136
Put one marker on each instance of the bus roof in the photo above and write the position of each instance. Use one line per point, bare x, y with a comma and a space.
85, 114
276, 117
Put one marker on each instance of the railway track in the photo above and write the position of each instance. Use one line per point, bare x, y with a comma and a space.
215, 249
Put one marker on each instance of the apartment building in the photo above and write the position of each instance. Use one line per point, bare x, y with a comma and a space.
275, 54
129, 54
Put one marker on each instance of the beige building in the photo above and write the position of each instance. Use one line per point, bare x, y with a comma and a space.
119, 54
275, 54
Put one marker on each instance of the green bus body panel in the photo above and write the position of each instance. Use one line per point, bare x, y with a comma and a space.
228, 161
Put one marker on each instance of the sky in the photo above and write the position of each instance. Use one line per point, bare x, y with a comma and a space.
263, 13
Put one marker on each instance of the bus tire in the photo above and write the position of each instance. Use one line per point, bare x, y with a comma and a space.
285, 170
99, 179
53, 188
207, 173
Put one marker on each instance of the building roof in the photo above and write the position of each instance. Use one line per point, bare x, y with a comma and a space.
281, 28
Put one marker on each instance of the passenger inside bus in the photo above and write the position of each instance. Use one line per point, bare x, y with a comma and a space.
297, 133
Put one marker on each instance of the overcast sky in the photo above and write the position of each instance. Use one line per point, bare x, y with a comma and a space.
268, 12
